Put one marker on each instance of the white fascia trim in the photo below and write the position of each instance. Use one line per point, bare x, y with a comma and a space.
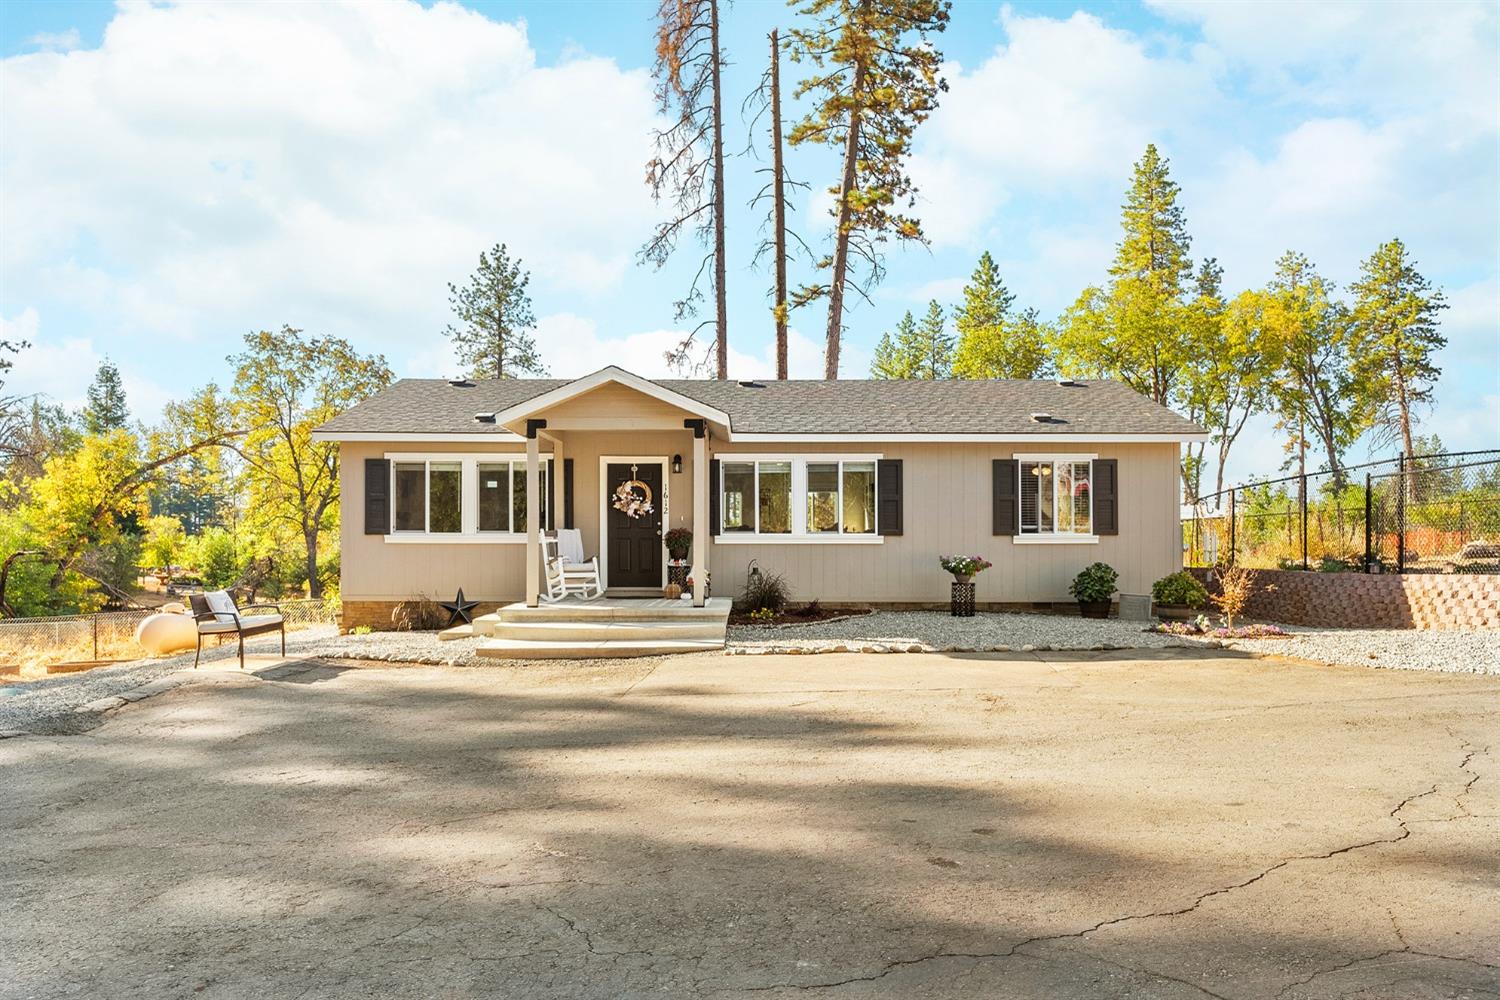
797, 456
1038, 439
604, 376
494, 437
749, 538
454, 538
1055, 539
1053, 456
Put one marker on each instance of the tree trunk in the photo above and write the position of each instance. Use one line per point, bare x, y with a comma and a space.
721, 338
778, 200
314, 585
841, 234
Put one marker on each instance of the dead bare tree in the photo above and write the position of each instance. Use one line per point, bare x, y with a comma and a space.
687, 169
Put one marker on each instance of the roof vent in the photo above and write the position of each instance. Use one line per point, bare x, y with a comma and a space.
461, 383
1041, 418
484, 418
1069, 383
751, 384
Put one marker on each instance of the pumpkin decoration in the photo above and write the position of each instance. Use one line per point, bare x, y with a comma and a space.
672, 592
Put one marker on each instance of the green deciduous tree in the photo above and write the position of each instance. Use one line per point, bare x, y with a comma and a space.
1235, 376
166, 542
1307, 342
285, 385
494, 319
1394, 338
215, 558
106, 409
1137, 328
872, 79
994, 342
687, 169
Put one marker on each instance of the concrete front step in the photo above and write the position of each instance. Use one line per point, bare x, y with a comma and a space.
617, 629
542, 649
608, 609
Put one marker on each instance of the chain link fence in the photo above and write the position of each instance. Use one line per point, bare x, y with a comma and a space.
110, 635
1410, 514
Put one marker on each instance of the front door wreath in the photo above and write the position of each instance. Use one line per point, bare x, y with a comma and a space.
632, 497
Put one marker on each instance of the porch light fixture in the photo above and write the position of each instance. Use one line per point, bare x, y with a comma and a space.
676, 464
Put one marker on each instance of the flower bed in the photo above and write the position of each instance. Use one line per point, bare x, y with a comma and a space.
1204, 630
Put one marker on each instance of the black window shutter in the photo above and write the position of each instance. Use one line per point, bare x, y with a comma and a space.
1007, 506
567, 493
1106, 488
889, 503
377, 496
713, 497
551, 468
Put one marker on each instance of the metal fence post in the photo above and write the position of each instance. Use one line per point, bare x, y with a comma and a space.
96, 635
1369, 565
1303, 486
1232, 527
1401, 513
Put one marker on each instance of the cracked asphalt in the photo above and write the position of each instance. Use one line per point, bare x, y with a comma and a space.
1182, 825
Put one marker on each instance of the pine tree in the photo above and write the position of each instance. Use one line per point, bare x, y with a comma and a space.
1394, 330
1136, 329
872, 84
688, 166
934, 345
106, 410
993, 343
898, 356
494, 317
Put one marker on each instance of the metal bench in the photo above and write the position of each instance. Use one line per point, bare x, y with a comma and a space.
215, 613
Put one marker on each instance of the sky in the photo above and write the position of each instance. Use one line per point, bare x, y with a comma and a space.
175, 176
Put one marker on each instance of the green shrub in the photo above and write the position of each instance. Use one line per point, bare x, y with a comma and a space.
1094, 583
766, 591
1180, 588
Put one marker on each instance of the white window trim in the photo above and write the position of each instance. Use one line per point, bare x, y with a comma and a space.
469, 533
799, 535
1053, 537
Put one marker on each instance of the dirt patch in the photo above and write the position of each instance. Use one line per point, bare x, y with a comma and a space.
806, 614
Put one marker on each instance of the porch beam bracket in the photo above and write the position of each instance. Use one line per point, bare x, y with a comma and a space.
532, 426
698, 426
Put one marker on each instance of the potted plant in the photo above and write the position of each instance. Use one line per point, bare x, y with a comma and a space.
1178, 596
964, 568
1093, 588
679, 543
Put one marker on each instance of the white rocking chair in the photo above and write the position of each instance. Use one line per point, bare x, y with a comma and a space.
566, 571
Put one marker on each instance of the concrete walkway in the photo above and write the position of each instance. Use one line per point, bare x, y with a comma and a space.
1046, 825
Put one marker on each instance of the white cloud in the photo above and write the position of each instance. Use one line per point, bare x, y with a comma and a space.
331, 165
56, 41
1433, 60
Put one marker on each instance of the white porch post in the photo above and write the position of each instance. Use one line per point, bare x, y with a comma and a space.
533, 514
700, 514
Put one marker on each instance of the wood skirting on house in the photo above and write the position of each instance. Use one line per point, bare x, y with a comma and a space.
1374, 600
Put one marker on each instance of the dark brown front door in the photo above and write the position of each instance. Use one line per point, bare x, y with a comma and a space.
634, 542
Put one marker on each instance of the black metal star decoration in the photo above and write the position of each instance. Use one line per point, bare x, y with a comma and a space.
459, 608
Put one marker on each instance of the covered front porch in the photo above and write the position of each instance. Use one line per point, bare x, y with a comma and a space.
633, 463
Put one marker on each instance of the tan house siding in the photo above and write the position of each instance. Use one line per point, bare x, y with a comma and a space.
947, 508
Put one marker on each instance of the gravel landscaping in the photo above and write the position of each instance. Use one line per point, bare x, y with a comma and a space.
1454, 652
935, 631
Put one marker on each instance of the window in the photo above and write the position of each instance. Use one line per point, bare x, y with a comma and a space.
757, 497
1056, 497
462, 496
798, 498
502, 495
841, 498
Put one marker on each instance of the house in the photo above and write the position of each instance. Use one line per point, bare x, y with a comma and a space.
852, 489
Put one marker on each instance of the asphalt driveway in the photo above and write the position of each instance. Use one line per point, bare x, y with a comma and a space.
1053, 825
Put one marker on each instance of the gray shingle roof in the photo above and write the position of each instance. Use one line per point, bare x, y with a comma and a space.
957, 406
